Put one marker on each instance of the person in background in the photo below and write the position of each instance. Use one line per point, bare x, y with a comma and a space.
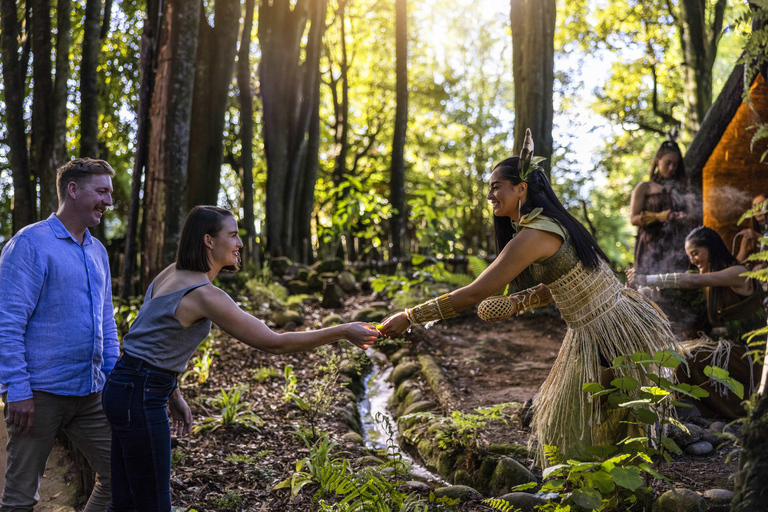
750, 237
733, 309
658, 209
175, 318
58, 339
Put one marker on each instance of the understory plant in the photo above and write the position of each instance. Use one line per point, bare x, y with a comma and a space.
201, 362
234, 412
620, 476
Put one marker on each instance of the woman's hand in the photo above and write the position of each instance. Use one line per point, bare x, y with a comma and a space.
749, 233
181, 416
634, 279
395, 325
362, 334
675, 215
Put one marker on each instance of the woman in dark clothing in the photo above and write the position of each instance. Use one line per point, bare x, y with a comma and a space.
176, 317
734, 308
658, 210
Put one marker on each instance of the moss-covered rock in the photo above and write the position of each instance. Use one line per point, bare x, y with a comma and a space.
509, 448
279, 265
457, 492
331, 296
352, 437
332, 265
397, 356
370, 315
416, 395
425, 448
350, 419
369, 460
286, 316
302, 274
509, 473
684, 500
421, 406
402, 390
446, 461
403, 371
314, 282
347, 281
462, 477
523, 501
297, 287
332, 319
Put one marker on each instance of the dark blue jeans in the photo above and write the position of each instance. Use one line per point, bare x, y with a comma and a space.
135, 399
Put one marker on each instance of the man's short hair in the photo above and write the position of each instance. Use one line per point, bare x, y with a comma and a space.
77, 170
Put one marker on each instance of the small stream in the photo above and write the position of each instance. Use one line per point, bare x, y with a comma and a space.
377, 392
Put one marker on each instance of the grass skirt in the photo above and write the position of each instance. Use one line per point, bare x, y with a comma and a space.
603, 317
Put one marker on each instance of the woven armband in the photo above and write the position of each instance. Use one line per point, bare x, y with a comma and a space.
663, 280
435, 309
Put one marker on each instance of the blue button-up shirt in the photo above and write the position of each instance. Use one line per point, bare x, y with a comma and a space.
57, 329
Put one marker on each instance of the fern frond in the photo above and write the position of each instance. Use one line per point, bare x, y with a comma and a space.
477, 265
553, 455
500, 504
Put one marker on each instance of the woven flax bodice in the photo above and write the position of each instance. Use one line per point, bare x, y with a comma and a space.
581, 294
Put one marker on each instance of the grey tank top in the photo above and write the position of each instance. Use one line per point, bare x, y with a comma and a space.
157, 337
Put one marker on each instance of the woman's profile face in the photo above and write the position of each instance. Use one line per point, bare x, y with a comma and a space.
503, 196
757, 200
698, 256
668, 165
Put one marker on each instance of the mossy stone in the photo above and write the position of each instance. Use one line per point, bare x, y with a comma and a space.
445, 463
403, 371
369, 460
425, 448
279, 265
421, 406
370, 315
397, 356
347, 281
297, 287
332, 265
523, 501
462, 477
507, 448
685, 500
350, 419
302, 274
313, 281
508, 474
416, 395
457, 492
404, 389
331, 296
286, 316
332, 319
409, 422
352, 437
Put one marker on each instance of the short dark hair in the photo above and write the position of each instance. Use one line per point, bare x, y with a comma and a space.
201, 220
78, 169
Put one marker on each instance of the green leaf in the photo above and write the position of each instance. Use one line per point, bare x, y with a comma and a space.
668, 358
670, 445
723, 377
603, 450
592, 387
587, 498
628, 477
603, 481
637, 403
646, 416
418, 259
626, 382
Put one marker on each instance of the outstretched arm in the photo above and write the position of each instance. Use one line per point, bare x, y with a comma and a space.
528, 246
730, 277
211, 302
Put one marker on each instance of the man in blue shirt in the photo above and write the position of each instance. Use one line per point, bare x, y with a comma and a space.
58, 338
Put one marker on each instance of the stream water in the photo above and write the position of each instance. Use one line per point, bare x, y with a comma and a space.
373, 405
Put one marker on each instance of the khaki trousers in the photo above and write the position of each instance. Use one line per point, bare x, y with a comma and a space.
82, 420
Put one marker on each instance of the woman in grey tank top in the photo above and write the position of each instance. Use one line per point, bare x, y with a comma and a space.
179, 307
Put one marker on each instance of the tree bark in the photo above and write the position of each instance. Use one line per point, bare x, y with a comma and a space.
42, 114
288, 88
699, 44
147, 67
217, 47
170, 117
23, 205
246, 134
89, 81
533, 62
60, 89
397, 179
341, 108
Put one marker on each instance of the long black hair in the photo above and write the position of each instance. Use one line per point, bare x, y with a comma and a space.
541, 195
719, 256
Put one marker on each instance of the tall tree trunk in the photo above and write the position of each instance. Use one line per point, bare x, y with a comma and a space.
14, 68
216, 51
42, 114
60, 89
147, 67
397, 180
246, 134
288, 93
170, 118
89, 81
533, 62
699, 44
341, 108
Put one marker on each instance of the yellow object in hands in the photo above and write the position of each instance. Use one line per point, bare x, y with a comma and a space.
493, 308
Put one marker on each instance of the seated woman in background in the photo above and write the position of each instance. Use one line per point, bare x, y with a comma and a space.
175, 318
733, 309
658, 209
750, 237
